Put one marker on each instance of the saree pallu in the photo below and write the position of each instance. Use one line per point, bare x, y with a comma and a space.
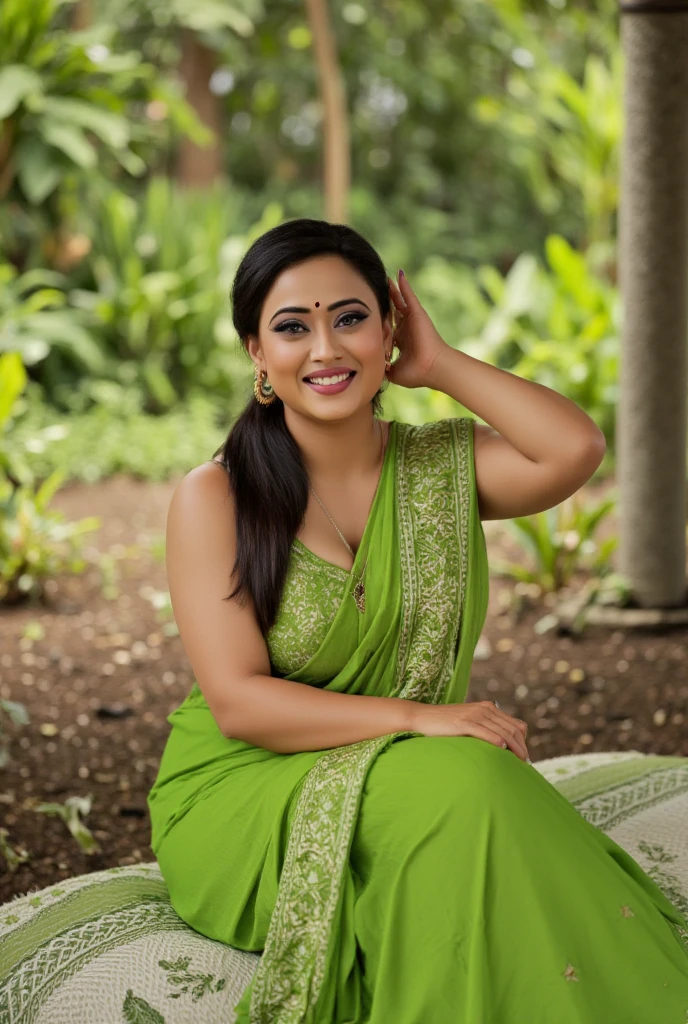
407, 878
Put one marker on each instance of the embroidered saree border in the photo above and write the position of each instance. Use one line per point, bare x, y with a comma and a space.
434, 565
432, 498
292, 967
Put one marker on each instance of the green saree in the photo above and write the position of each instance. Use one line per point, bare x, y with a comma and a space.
414, 879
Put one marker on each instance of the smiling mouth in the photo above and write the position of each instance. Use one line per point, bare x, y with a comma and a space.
326, 381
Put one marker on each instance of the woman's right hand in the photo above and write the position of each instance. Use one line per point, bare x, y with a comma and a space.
481, 719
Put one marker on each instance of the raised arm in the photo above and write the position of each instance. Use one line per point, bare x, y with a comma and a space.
227, 651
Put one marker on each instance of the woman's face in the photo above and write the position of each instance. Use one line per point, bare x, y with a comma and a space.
293, 345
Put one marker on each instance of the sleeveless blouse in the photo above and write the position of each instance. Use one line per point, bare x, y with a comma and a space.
313, 591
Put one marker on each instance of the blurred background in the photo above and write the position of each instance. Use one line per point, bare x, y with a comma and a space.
144, 145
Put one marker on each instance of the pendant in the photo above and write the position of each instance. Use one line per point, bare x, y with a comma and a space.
359, 596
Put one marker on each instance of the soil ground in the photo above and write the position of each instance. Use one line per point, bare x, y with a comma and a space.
99, 657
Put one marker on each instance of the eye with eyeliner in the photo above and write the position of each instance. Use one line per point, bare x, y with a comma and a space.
282, 328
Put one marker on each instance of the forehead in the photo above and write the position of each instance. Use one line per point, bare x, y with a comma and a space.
323, 279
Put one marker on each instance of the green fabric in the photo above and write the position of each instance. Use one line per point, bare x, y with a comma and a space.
407, 878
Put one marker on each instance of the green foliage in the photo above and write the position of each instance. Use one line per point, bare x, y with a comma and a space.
70, 105
129, 441
563, 125
36, 318
35, 542
557, 324
560, 541
54, 96
217, 20
156, 285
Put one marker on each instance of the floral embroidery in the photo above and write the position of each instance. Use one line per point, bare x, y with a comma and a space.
198, 984
667, 881
570, 973
431, 505
313, 591
291, 970
433, 502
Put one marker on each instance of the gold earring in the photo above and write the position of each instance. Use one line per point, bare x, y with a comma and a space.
262, 388
388, 361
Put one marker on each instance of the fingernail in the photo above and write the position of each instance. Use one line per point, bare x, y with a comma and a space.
401, 273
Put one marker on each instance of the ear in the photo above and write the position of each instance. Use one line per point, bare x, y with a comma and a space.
253, 348
388, 331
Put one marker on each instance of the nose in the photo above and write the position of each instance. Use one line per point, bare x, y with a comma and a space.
323, 344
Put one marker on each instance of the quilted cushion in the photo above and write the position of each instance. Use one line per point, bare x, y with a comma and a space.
108, 946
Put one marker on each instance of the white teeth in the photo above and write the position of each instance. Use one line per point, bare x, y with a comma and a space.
328, 380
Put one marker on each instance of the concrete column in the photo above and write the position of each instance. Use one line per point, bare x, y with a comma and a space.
653, 271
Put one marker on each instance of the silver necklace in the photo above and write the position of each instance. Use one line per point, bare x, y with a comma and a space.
358, 593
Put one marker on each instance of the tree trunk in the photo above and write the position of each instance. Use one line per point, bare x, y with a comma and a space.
197, 166
653, 273
337, 158
82, 15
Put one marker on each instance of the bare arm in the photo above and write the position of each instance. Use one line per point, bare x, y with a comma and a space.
287, 716
227, 651
539, 447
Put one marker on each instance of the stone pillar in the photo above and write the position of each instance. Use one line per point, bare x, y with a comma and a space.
653, 272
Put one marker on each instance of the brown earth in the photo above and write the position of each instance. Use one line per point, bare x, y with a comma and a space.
630, 693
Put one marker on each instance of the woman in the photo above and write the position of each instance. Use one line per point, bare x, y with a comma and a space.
326, 794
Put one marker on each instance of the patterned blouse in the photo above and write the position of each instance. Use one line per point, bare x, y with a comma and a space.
313, 590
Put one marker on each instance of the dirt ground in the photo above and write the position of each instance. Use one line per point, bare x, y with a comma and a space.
101, 681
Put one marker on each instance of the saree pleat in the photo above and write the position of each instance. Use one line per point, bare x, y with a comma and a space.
410, 878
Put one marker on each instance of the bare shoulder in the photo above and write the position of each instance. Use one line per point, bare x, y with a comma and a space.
204, 486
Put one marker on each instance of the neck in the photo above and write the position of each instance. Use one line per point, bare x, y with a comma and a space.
337, 450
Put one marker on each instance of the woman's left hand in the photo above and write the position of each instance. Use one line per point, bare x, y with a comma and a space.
415, 336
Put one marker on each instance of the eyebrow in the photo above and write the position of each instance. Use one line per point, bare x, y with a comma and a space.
306, 309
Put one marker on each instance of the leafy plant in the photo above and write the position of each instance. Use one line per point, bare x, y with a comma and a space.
18, 715
71, 105
560, 541
35, 542
13, 858
129, 441
159, 296
69, 812
36, 318
564, 125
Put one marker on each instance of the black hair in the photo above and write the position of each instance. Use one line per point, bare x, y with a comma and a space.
266, 470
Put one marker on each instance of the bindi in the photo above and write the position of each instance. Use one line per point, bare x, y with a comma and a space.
317, 304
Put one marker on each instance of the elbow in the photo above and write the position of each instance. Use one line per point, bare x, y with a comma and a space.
585, 453
594, 450
231, 726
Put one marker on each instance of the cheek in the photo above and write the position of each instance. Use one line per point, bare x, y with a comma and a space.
367, 346
286, 360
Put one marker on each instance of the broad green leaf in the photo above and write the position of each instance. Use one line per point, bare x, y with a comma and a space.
111, 128
49, 486
159, 383
62, 330
38, 170
16, 82
131, 162
211, 15
71, 140
12, 382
